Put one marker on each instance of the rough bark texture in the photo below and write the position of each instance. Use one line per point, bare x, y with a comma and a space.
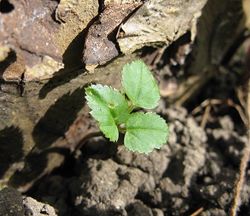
48, 116
34, 41
159, 22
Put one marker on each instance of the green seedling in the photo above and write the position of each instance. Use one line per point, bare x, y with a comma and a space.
114, 110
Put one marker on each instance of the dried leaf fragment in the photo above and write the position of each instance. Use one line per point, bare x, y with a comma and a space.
99, 44
159, 22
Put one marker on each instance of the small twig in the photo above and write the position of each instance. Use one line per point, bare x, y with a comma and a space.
159, 55
241, 96
239, 182
239, 109
197, 212
243, 165
205, 116
206, 103
229, 102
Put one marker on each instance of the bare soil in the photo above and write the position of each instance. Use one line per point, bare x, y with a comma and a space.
195, 170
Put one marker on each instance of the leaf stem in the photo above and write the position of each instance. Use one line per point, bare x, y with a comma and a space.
122, 128
131, 106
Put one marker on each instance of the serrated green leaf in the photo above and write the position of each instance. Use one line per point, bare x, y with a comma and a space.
145, 131
140, 85
109, 107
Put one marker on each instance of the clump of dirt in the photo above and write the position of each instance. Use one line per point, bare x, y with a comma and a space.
196, 169
12, 203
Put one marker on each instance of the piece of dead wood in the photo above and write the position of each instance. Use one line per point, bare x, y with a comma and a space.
197, 212
26, 30
100, 46
44, 35
159, 22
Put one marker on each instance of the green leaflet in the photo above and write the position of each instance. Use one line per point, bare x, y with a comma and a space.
145, 131
109, 107
140, 85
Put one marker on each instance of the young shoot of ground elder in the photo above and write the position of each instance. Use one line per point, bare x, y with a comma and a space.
114, 110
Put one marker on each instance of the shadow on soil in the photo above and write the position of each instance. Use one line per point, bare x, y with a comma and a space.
35, 165
58, 118
11, 144
50, 127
